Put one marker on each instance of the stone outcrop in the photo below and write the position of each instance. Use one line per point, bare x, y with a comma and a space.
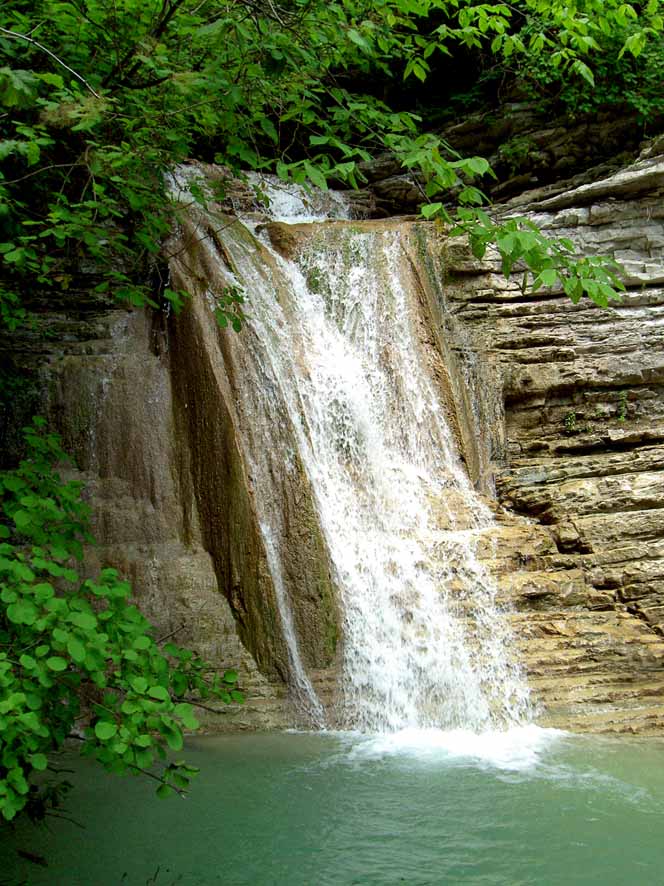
107, 379
570, 409
147, 406
558, 410
208, 369
527, 145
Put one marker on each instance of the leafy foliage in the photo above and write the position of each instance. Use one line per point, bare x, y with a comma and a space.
551, 262
101, 98
620, 79
64, 639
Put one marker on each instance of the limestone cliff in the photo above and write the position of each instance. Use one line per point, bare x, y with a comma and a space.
571, 411
108, 380
558, 411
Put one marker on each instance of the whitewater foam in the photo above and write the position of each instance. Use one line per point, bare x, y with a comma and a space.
518, 749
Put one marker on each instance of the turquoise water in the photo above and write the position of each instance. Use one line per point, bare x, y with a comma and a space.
419, 808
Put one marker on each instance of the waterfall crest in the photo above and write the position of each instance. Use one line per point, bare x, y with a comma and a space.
336, 377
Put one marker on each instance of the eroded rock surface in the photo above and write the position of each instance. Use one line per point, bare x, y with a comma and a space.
570, 408
105, 377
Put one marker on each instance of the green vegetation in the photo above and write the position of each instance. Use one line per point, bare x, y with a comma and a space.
604, 414
621, 80
622, 406
64, 639
102, 98
548, 260
570, 422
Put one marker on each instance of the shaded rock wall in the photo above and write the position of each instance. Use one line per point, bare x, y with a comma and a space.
111, 386
527, 145
221, 385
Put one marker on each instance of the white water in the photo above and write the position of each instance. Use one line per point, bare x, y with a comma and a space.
300, 682
295, 203
338, 345
336, 378
517, 749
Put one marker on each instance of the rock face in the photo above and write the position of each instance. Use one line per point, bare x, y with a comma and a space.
528, 146
569, 404
558, 410
107, 380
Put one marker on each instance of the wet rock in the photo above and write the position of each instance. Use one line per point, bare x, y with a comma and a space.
578, 450
108, 389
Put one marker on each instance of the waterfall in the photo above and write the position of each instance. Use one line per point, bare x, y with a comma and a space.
336, 376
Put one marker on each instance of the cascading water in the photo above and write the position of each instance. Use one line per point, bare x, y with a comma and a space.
294, 203
334, 362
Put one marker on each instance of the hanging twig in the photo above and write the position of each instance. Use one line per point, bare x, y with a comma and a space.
13, 181
16, 36
163, 781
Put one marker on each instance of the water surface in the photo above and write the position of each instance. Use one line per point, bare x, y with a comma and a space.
420, 808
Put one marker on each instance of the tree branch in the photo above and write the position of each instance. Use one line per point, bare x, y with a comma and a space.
16, 36
165, 17
13, 181
149, 774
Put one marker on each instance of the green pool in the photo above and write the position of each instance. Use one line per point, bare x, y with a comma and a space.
529, 807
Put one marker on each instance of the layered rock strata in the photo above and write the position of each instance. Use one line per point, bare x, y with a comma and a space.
110, 382
527, 145
570, 408
558, 410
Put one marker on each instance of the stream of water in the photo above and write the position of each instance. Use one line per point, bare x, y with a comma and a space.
337, 365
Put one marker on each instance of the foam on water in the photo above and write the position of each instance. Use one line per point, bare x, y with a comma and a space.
520, 748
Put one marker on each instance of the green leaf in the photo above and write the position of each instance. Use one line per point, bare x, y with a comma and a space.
174, 739
52, 80
185, 712
159, 692
17, 88
43, 592
22, 519
429, 210
22, 612
139, 684
77, 650
584, 71
11, 481
316, 176
56, 663
547, 277
269, 129
105, 730
478, 165
165, 791
84, 620
38, 761
130, 707
358, 39
16, 778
